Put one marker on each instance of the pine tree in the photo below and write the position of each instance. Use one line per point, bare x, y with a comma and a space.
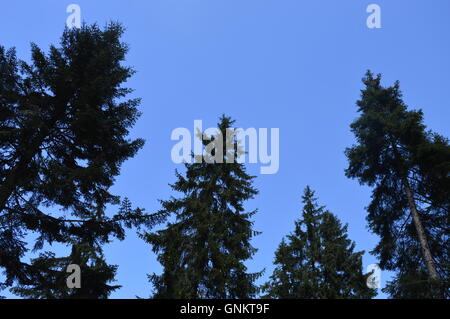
317, 261
409, 170
49, 280
47, 274
203, 251
64, 122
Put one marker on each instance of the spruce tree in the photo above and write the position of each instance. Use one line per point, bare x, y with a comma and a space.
64, 125
409, 171
204, 249
317, 260
49, 278
47, 274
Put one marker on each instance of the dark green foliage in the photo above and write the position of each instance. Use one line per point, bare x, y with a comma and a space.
397, 157
49, 276
317, 261
204, 250
64, 122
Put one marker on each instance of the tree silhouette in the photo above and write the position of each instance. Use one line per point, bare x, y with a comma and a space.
409, 170
204, 249
64, 122
317, 260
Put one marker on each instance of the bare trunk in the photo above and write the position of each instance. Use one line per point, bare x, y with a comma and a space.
421, 234
418, 223
426, 253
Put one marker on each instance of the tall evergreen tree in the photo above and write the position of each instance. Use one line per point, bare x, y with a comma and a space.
409, 170
49, 278
317, 261
64, 122
48, 273
203, 251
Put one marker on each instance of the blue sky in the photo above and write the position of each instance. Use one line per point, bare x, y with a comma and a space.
287, 64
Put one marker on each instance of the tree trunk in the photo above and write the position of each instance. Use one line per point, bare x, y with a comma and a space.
421, 234
426, 253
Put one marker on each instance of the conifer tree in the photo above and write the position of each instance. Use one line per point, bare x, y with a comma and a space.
204, 249
409, 170
317, 260
49, 278
64, 122
47, 275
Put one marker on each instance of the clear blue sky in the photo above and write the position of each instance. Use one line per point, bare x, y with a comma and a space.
289, 64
